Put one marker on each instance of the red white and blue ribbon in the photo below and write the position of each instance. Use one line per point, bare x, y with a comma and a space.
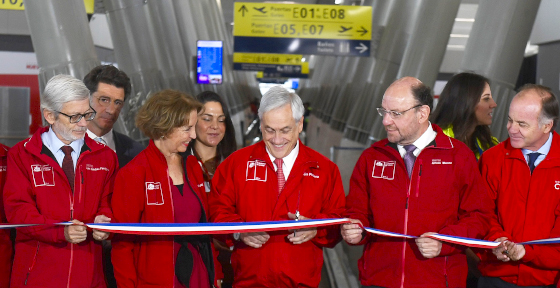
387, 233
228, 228
211, 228
470, 242
10, 226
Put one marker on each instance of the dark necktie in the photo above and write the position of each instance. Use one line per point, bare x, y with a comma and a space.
409, 158
280, 174
532, 158
68, 165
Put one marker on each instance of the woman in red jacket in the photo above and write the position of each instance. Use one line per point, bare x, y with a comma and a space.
215, 142
156, 188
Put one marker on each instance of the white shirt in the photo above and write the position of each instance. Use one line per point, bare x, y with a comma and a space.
288, 161
108, 138
420, 143
51, 141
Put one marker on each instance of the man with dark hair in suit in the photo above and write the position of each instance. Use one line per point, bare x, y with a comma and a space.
109, 88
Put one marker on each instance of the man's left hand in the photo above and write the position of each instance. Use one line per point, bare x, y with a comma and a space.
97, 234
301, 235
429, 247
516, 251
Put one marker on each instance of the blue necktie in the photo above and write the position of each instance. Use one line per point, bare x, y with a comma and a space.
532, 158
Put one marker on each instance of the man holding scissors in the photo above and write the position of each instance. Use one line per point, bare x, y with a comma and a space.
278, 179
523, 178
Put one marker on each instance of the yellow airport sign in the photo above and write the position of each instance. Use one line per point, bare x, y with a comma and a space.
302, 21
18, 5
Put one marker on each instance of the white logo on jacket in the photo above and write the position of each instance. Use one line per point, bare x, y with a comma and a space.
3, 168
384, 169
256, 171
43, 175
557, 185
91, 168
438, 161
310, 174
154, 194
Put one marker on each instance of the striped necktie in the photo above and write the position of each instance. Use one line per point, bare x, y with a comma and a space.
280, 174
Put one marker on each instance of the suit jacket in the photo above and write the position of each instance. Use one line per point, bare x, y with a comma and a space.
126, 148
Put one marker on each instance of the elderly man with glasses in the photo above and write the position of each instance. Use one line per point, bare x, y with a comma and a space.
59, 175
418, 181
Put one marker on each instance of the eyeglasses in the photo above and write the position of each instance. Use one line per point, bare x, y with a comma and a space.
77, 117
394, 114
106, 101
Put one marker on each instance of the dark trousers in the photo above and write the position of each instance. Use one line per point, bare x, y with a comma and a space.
495, 282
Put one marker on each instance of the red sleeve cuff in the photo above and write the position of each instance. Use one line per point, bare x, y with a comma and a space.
529, 253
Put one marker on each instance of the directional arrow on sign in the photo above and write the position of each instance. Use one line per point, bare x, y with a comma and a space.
243, 10
362, 48
363, 31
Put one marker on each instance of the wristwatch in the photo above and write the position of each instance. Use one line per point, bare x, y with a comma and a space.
236, 236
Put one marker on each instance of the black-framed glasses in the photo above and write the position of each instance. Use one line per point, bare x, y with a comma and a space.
394, 114
77, 117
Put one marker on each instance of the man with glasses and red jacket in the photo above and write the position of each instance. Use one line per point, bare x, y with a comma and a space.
59, 175
417, 182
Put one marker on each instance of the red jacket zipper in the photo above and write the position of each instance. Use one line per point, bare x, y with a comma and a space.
173, 215
32, 263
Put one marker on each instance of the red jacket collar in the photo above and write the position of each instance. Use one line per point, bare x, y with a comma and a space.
442, 141
554, 152
260, 153
3, 150
35, 143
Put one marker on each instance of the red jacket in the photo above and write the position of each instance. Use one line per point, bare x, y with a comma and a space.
445, 195
245, 188
37, 192
142, 194
528, 208
6, 250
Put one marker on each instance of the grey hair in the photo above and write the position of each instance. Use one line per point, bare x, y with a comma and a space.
61, 89
277, 97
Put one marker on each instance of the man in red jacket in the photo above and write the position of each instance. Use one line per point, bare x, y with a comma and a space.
416, 182
59, 175
278, 179
6, 250
523, 178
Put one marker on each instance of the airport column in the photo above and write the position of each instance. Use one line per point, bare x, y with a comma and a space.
61, 38
382, 74
169, 52
135, 55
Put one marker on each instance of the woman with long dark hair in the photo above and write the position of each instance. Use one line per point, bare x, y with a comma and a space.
464, 111
215, 142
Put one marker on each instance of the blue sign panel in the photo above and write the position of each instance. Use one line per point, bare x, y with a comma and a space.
209, 62
332, 47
